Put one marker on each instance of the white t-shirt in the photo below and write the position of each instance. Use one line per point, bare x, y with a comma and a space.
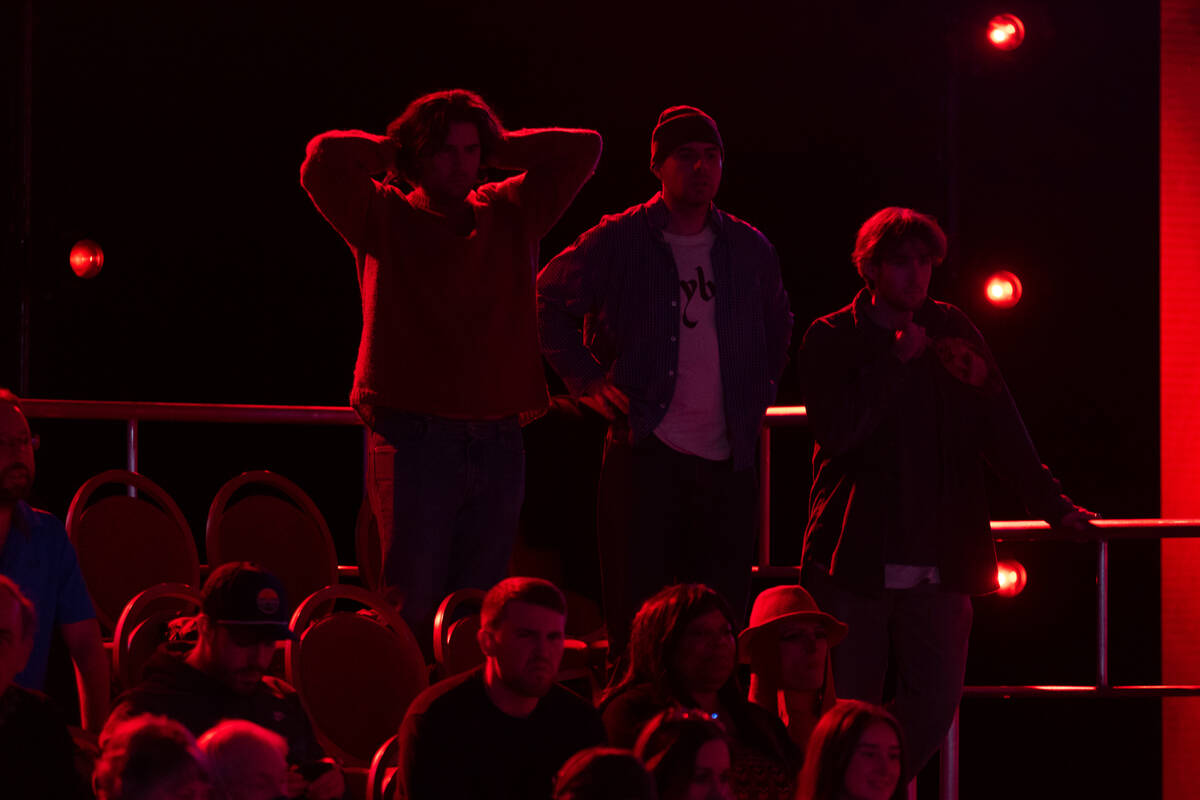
695, 420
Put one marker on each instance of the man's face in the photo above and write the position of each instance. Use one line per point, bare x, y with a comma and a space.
691, 175
240, 666
449, 173
16, 456
15, 641
803, 649
901, 277
526, 648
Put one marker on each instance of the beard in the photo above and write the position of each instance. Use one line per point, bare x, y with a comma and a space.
16, 480
532, 682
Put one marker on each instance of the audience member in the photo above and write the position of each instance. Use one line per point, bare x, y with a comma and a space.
682, 652
246, 761
223, 676
36, 553
787, 648
856, 752
688, 754
36, 753
504, 729
150, 758
604, 773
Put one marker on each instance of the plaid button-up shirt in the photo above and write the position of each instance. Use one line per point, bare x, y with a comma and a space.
608, 309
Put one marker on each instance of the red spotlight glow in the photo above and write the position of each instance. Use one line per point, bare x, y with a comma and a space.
1006, 31
86, 258
1012, 577
1003, 289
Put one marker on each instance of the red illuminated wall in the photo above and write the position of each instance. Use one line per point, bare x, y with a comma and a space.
1180, 370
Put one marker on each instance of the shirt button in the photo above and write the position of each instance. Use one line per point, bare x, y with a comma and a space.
670, 373
662, 405
673, 339
674, 304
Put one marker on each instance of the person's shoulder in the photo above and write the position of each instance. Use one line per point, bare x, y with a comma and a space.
946, 319
742, 232
568, 702
452, 695
842, 319
41, 523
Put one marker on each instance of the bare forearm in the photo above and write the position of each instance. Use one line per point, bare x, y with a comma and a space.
91, 671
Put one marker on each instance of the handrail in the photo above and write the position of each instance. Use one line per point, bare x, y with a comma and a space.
1101, 531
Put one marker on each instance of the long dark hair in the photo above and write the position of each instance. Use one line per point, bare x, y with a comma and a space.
832, 746
669, 745
654, 638
424, 125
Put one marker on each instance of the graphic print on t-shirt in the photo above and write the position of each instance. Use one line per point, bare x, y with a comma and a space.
706, 288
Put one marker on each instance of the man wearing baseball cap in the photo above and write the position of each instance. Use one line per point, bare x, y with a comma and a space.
671, 320
244, 613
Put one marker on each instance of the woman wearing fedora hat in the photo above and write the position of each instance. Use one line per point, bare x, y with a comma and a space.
787, 647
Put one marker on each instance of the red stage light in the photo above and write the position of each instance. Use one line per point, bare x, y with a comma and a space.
86, 258
1006, 31
1012, 577
1003, 289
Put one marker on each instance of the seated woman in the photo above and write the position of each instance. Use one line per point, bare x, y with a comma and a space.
688, 755
787, 648
682, 653
151, 758
856, 753
604, 773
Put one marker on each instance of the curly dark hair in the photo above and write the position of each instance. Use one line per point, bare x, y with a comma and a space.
424, 125
655, 635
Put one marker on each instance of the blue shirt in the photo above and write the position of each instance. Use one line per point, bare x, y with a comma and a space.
608, 308
39, 557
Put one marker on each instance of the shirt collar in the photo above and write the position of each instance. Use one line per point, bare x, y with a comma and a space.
658, 214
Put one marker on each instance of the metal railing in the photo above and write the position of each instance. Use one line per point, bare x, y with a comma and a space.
1102, 532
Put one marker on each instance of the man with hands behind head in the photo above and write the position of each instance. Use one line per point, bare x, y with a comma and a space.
448, 365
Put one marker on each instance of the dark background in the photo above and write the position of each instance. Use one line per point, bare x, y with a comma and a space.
173, 135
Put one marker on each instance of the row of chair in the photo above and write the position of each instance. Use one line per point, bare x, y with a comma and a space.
129, 541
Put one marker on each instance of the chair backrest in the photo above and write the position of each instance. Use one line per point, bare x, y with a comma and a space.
143, 626
356, 673
455, 606
368, 550
383, 769
128, 544
263, 517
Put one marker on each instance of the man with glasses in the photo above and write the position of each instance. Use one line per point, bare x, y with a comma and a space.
37, 555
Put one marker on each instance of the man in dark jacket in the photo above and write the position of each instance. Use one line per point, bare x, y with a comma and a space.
223, 676
907, 406
671, 320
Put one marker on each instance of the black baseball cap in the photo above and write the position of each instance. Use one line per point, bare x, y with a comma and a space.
248, 601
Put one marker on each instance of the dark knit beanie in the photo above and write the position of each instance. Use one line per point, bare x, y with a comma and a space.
679, 125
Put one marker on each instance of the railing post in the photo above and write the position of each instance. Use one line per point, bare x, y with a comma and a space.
131, 450
949, 762
1102, 616
764, 497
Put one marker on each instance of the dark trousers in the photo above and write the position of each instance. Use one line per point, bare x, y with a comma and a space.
447, 495
664, 517
923, 633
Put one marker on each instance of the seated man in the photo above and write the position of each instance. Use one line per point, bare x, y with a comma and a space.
36, 753
36, 553
503, 730
223, 676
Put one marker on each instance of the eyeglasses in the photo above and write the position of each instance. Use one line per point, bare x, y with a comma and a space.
20, 442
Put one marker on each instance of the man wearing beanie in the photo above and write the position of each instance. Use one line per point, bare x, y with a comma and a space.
244, 613
671, 320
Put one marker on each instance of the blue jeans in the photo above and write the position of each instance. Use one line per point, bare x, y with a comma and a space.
923, 632
447, 495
